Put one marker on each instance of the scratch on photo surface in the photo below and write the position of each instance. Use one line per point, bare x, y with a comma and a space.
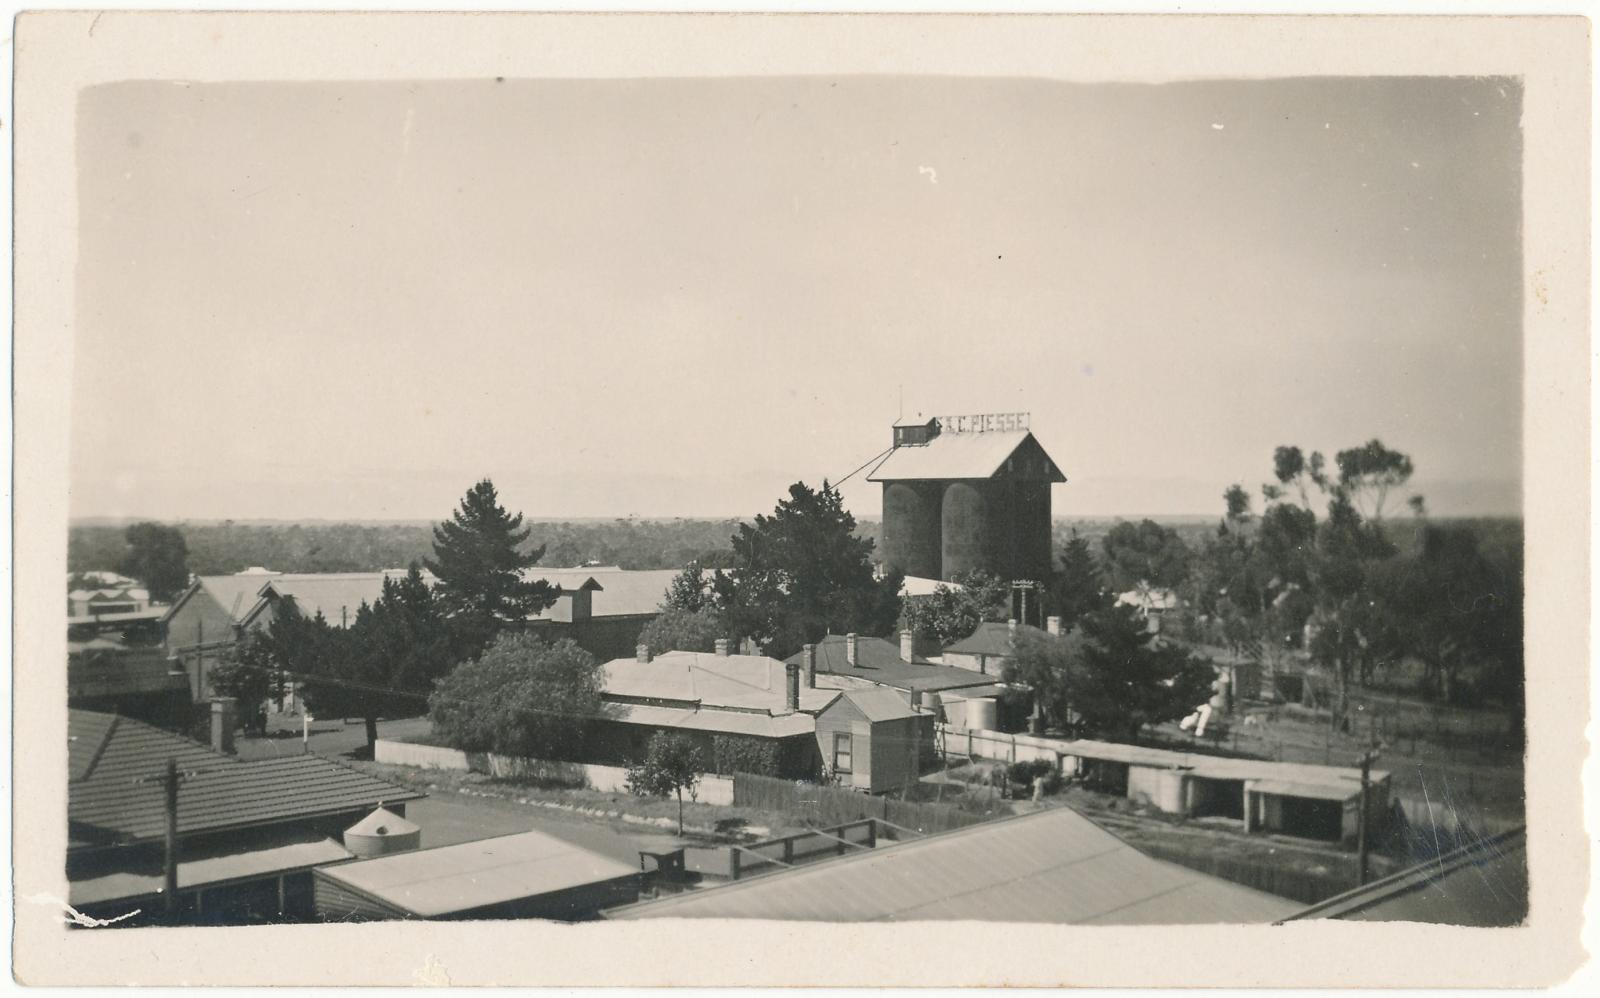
76, 917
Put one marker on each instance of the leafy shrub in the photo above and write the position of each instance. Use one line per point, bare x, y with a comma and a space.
732, 754
1025, 772
522, 697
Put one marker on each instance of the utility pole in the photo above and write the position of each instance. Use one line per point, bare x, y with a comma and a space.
1367, 759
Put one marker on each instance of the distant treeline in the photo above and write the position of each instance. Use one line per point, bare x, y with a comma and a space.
227, 547
220, 548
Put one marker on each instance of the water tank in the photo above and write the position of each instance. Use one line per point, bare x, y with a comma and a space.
911, 528
966, 529
983, 714
380, 833
932, 704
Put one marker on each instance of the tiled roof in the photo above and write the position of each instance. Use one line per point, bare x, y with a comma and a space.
991, 638
1053, 866
115, 795
957, 455
879, 661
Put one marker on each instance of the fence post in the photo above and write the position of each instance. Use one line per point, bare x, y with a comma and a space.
788, 851
872, 834
733, 862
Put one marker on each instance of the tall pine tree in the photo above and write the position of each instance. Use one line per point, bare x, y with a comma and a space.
480, 568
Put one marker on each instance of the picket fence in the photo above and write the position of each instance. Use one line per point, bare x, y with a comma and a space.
606, 779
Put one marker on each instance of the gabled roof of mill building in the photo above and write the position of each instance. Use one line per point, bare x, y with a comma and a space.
961, 455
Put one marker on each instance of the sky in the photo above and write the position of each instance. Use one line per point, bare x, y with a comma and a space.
676, 297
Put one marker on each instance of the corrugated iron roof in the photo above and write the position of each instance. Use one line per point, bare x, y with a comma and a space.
1298, 779
214, 864
956, 455
749, 682
115, 795
622, 593
878, 661
1483, 884
1053, 866
880, 705
449, 879
728, 722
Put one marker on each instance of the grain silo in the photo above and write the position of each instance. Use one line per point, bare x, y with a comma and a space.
967, 492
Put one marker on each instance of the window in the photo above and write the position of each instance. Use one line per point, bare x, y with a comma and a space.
841, 752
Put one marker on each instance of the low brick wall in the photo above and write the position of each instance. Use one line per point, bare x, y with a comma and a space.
606, 779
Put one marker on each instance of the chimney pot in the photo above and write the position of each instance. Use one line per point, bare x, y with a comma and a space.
722, 647
808, 655
908, 646
224, 714
850, 649
1053, 625
642, 653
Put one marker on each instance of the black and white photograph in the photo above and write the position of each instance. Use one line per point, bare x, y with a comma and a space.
841, 497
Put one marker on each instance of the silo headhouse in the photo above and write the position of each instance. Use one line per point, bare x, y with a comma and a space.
967, 492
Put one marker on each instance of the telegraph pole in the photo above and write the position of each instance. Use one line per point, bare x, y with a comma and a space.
1362, 847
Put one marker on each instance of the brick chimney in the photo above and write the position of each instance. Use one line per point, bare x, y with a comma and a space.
808, 655
224, 713
908, 646
792, 688
722, 647
1052, 624
642, 653
850, 649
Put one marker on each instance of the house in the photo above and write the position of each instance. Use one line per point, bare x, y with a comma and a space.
526, 875
1051, 866
247, 833
1152, 603
1484, 884
850, 661
97, 594
215, 611
867, 739
602, 608
987, 649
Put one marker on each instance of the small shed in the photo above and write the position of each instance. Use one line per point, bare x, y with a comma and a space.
525, 875
871, 740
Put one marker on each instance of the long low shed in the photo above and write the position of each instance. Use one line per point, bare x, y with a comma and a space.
1322, 802
526, 875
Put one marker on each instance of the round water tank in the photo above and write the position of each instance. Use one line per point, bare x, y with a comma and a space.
932, 704
965, 521
983, 714
380, 833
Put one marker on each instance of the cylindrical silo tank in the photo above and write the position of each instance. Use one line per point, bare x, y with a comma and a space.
380, 833
965, 526
911, 528
983, 714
